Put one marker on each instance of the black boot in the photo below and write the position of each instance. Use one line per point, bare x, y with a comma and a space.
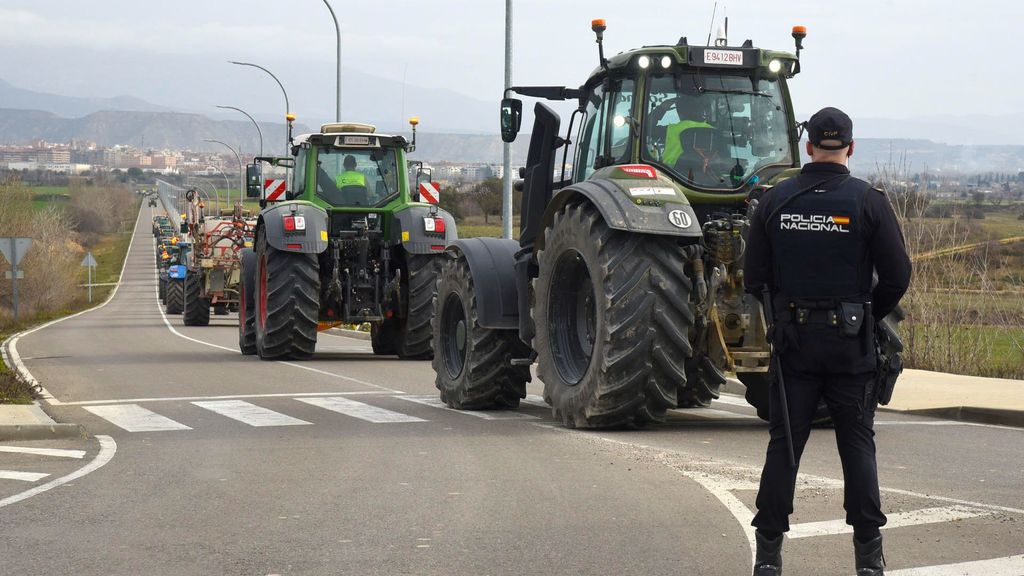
869, 558
768, 560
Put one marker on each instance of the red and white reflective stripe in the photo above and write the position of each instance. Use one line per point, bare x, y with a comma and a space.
273, 189
640, 171
430, 192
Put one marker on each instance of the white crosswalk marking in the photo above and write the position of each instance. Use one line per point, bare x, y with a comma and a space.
914, 518
59, 452
135, 418
250, 414
360, 410
23, 476
435, 402
1008, 566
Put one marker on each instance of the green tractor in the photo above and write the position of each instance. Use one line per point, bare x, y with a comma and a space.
349, 242
626, 284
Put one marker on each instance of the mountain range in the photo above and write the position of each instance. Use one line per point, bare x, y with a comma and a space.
966, 144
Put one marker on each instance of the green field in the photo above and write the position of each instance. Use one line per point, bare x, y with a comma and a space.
45, 196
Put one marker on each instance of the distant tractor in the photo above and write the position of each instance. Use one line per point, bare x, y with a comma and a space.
350, 242
214, 265
172, 277
626, 283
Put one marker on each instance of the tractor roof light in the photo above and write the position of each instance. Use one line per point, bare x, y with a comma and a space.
643, 62
774, 66
289, 117
666, 61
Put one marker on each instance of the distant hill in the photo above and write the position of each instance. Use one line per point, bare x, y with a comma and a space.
69, 106
179, 130
155, 130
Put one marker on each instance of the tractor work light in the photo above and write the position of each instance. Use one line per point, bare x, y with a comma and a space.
643, 62
666, 61
774, 66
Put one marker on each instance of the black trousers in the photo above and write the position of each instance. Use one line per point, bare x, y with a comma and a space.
819, 362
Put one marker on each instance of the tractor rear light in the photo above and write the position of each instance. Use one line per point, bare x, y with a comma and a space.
640, 171
294, 223
294, 246
433, 225
437, 247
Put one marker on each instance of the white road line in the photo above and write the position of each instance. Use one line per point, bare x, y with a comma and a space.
228, 397
10, 347
535, 400
59, 452
1008, 566
23, 476
712, 414
250, 414
900, 520
135, 418
435, 402
107, 450
175, 331
359, 410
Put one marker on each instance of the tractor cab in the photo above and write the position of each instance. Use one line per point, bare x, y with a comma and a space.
716, 121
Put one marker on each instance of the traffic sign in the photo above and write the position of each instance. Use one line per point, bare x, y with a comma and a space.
14, 249
88, 260
430, 192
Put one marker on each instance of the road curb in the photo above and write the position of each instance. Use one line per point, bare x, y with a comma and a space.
975, 414
53, 431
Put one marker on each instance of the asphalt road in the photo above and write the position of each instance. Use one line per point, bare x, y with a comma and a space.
203, 461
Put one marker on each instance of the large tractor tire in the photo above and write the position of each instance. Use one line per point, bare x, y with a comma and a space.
220, 309
161, 290
384, 337
415, 338
196, 310
703, 382
613, 316
287, 302
472, 363
174, 301
246, 303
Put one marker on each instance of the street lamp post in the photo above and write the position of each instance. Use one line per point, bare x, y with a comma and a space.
254, 123
241, 172
287, 107
506, 154
337, 30
227, 183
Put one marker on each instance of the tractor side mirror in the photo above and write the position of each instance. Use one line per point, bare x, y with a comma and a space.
184, 227
511, 118
253, 181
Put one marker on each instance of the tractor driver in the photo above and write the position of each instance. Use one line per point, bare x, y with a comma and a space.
683, 150
351, 183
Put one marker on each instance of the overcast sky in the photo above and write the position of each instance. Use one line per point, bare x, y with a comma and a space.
873, 58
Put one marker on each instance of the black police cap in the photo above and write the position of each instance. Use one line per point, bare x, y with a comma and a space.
830, 129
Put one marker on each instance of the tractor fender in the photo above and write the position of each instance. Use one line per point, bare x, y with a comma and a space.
410, 228
312, 240
621, 212
492, 264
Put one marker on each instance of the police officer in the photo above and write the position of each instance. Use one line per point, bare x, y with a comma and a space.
815, 241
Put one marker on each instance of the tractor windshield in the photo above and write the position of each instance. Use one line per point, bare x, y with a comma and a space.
349, 177
715, 130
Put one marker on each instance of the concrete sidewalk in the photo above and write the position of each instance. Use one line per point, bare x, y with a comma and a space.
988, 400
29, 422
